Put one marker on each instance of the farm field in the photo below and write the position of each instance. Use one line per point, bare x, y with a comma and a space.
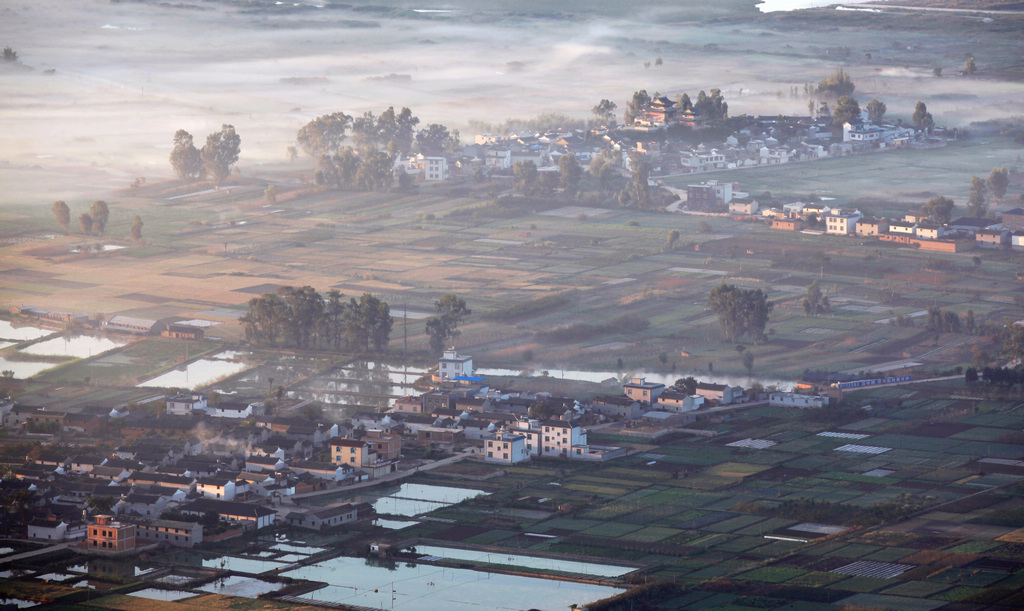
205, 255
933, 518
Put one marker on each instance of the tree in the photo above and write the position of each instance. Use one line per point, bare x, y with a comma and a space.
815, 302
603, 167
86, 222
876, 111
939, 208
837, 85
185, 157
639, 187
922, 118
435, 139
397, 128
684, 102
324, 134
977, 198
365, 131
748, 361
137, 229
221, 152
526, 176
10, 54
570, 174
712, 107
846, 110
604, 113
100, 213
375, 321
635, 106
99, 505
63, 214
970, 67
444, 327
705, 227
937, 72
672, 240
209, 518
998, 181
375, 171
1013, 342
270, 195
687, 385
740, 311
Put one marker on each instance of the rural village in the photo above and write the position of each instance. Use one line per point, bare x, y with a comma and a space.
713, 361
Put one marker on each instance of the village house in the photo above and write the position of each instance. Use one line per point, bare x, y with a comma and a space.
708, 195
971, 225
746, 205
505, 447
409, 405
186, 404
903, 227
992, 238
216, 488
251, 516
931, 231
867, 227
453, 365
678, 402
721, 394
786, 224
171, 532
841, 222
361, 455
328, 517
617, 407
1013, 219
107, 535
639, 389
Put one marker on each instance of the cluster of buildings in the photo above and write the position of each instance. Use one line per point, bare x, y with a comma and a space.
204, 469
173, 327
958, 235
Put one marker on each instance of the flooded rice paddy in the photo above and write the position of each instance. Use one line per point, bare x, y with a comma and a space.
76, 346
423, 587
200, 372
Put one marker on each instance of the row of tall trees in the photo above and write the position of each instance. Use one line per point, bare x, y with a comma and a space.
92, 221
215, 158
303, 318
368, 163
982, 191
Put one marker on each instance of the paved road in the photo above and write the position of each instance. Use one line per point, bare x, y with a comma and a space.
36, 552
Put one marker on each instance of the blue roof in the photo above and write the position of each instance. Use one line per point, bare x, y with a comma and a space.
470, 378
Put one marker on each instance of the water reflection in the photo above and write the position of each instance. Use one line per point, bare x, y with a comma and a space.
24, 369
409, 500
21, 333
422, 587
77, 346
197, 373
